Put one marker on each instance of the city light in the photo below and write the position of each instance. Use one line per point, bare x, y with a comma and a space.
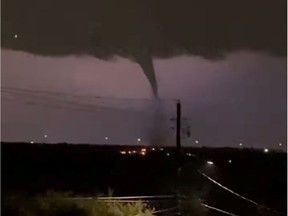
230, 161
168, 154
210, 162
15, 36
45, 136
134, 152
240, 144
280, 144
123, 152
106, 138
153, 149
129, 152
266, 150
143, 153
31, 142
196, 141
139, 140
161, 149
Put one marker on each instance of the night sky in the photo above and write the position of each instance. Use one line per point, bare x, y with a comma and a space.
225, 60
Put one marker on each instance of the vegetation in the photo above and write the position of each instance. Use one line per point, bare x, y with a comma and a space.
60, 204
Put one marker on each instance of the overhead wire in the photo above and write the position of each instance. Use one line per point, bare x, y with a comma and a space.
219, 210
62, 94
236, 194
57, 103
47, 98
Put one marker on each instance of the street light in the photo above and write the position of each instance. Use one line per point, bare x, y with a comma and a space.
240, 144
106, 138
139, 140
196, 141
230, 161
266, 150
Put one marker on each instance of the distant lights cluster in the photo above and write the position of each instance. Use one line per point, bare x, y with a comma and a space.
131, 152
144, 151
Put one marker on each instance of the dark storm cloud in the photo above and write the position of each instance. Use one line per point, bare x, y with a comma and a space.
141, 30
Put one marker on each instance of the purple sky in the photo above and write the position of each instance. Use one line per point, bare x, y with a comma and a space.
241, 98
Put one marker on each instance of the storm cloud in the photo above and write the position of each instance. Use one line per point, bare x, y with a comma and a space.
143, 30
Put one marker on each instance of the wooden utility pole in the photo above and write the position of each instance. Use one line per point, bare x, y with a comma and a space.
178, 148
178, 126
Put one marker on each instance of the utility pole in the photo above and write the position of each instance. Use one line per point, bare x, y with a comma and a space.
178, 126
178, 148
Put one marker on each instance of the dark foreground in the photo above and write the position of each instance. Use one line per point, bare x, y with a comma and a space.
89, 170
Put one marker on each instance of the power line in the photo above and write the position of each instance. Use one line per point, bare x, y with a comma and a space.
127, 197
236, 194
48, 98
60, 105
94, 97
137, 197
34, 101
129, 201
217, 209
